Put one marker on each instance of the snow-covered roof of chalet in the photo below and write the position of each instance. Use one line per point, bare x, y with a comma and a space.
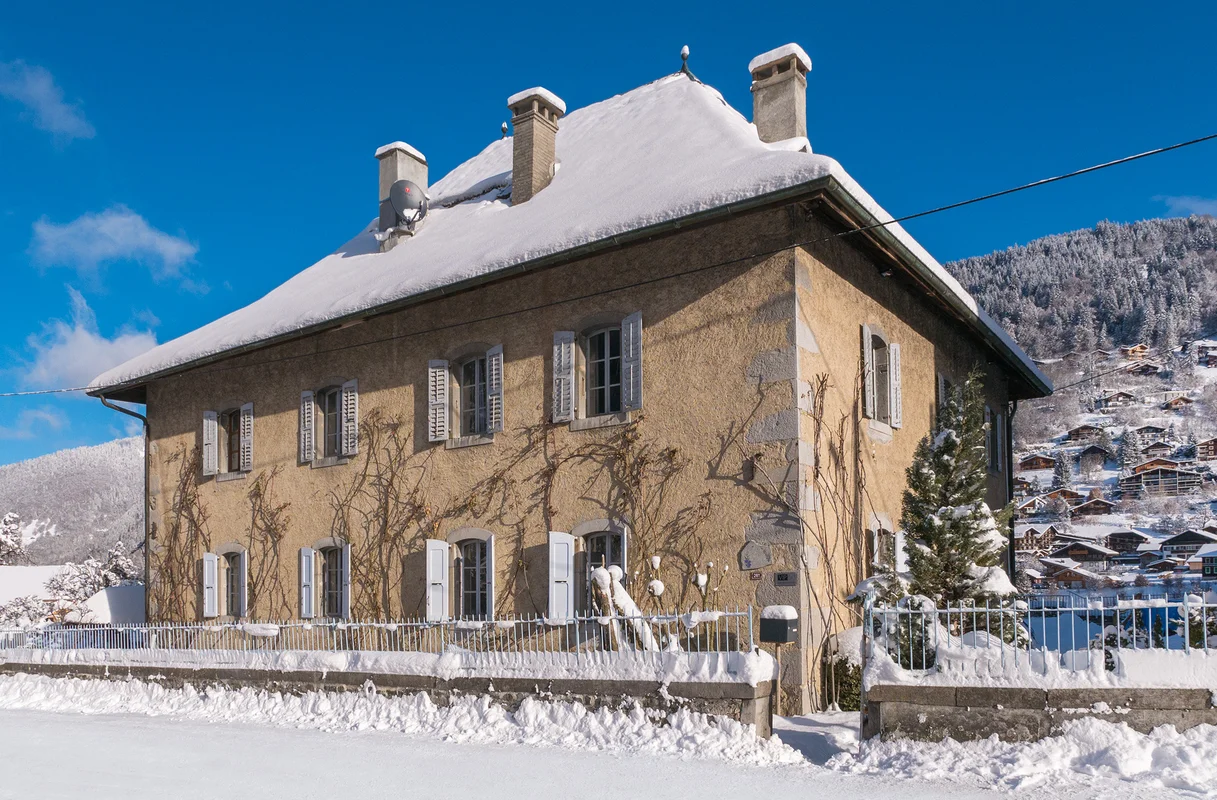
631, 166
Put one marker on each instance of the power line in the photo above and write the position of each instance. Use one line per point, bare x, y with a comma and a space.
694, 270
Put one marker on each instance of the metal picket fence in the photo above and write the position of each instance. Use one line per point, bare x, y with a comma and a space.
728, 631
1070, 633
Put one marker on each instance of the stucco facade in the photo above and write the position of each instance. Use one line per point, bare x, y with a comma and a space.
721, 458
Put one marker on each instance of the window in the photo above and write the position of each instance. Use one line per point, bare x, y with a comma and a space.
882, 397
603, 360
232, 584
472, 571
882, 379
606, 549
333, 582
473, 397
230, 428
329, 421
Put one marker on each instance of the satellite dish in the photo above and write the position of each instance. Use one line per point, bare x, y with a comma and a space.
408, 201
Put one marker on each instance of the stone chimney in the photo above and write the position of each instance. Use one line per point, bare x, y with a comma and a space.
534, 120
779, 93
397, 161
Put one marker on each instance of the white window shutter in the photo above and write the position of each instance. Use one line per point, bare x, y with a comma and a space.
490, 576
350, 418
211, 443
494, 389
437, 400
243, 584
308, 604
561, 576
896, 406
437, 579
211, 579
346, 581
247, 437
564, 376
306, 427
631, 361
868, 373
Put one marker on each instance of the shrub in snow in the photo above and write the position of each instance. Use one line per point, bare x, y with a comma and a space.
841, 672
22, 612
12, 549
78, 582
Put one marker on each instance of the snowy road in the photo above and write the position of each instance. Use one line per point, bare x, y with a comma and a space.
132, 757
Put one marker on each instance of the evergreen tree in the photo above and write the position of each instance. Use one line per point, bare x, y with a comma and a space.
12, 548
957, 546
1130, 447
1062, 473
1105, 441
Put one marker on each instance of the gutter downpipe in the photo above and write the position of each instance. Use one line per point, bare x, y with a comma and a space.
1009, 481
147, 521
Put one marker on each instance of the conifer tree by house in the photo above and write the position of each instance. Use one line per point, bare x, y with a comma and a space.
956, 546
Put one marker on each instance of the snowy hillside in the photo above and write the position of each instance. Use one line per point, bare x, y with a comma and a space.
1153, 281
76, 503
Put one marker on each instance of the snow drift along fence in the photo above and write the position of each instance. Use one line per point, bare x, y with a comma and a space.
694, 632
1065, 633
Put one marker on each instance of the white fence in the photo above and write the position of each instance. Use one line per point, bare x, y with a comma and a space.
694, 632
1064, 633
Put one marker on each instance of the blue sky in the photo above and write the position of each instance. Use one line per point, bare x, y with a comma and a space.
162, 164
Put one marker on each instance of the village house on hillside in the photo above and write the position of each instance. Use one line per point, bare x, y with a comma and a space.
1037, 461
1083, 433
629, 336
1207, 450
1115, 400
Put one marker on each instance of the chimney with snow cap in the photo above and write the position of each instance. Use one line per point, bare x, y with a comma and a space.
398, 160
534, 120
779, 93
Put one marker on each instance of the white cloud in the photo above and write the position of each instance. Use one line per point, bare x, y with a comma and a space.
35, 88
116, 234
70, 354
29, 420
1187, 205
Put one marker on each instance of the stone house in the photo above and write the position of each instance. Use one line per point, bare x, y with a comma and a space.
650, 334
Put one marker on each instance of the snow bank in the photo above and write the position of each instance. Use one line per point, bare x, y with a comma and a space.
661, 667
467, 719
1087, 749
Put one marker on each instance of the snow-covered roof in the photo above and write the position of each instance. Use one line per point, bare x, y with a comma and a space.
1092, 546
543, 93
116, 605
779, 54
23, 581
631, 164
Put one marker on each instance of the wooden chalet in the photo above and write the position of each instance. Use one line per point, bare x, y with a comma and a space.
1095, 505
1083, 433
1151, 430
1084, 552
1185, 544
1037, 461
1157, 449
1135, 352
1127, 541
1115, 400
1207, 450
1177, 403
1154, 463
1160, 482
1095, 450
1143, 369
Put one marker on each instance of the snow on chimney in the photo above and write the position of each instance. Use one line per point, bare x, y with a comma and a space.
779, 93
534, 121
398, 160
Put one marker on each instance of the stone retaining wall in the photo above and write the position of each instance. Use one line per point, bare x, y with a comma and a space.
751, 705
965, 712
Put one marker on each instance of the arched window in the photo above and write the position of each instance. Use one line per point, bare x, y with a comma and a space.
230, 437
606, 549
472, 376
329, 421
472, 572
333, 581
602, 357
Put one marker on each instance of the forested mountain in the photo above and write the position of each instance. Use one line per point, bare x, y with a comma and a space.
1153, 281
77, 503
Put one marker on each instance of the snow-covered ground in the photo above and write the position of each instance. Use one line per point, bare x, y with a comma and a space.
130, 740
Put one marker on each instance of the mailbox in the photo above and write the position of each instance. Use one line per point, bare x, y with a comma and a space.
779, 625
